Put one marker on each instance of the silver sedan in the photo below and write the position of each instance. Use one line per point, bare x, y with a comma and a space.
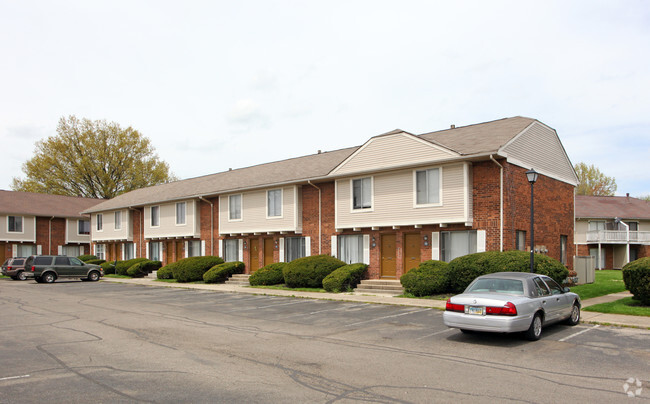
512, 302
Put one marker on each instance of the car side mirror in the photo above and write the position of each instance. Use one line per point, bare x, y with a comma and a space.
566, 290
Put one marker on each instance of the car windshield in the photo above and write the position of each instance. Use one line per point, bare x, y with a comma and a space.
496, 285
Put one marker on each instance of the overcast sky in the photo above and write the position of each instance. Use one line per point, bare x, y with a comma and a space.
220, 84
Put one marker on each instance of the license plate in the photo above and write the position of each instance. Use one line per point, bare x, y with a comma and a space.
476, 310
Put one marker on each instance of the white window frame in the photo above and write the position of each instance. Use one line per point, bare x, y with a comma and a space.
193, 245
184, 213
22, 225
415, 187
478, 237
157, 216
118, 220
100, 251
160, 251
241, 208
225, 249
372, 195
79, 223
268, 204
99, 222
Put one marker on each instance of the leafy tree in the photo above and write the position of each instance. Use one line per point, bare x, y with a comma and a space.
592, 182
94, 159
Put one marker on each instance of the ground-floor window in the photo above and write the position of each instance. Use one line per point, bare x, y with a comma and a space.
634, 254
593, 251
294, 248
100, 251
454, 244
154, 251
129, 251
194, 248
520, 242
231, 250
25, 250
350, 249
563, 244
71, 250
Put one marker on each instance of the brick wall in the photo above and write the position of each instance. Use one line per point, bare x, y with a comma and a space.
50, 245
310, 216
210, 234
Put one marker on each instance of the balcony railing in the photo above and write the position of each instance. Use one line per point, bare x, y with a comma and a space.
618, 236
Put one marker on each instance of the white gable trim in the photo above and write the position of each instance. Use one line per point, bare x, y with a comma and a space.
403, 134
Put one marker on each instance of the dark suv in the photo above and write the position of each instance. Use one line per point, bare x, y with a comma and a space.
15, 268
48, 268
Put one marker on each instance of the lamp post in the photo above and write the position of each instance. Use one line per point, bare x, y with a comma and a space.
532, 177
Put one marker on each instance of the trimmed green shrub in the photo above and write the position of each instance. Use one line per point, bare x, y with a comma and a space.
345, 278
221, 272
108, 267
142, 268
122, 266
87, 257
269, 275
463, 270
429, 278
165, 273
95, 262
192, 269
309, 272
636, 275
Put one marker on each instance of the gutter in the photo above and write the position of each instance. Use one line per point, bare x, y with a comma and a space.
211, 223
320, 207
500, 202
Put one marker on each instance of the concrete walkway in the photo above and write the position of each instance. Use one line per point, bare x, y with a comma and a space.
587, 316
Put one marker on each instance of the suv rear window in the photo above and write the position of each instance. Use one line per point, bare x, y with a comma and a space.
18, 261
42, 260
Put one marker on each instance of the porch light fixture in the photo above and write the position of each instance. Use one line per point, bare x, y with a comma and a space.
532, 178
426, 241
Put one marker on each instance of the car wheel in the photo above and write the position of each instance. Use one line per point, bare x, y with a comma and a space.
93, 276
534, 332
48, 277
574, 318
21, 276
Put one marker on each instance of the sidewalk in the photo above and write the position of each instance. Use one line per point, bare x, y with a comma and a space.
587, 316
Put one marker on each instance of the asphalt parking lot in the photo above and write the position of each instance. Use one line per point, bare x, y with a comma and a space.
104, 342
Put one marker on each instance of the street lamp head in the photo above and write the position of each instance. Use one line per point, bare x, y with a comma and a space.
532, 176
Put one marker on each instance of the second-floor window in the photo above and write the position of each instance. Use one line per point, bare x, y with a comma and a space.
234, 207
155, 216
596, 225
83, 227
118, 220
100, 222
180, 213
274, 203
15, 224
427, 184
362, 193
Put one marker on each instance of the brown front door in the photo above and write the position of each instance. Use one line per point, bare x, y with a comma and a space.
388, 256
411, 251
255, 254
169, 252
3, 252
179, 250
268, 251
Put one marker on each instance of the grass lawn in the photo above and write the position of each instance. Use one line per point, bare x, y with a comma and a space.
626, 305
434, 297
116, 276
175, 281
283, 287
607, 282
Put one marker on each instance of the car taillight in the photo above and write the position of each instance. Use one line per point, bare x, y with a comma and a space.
508, 309
33, 269
454, 307
8, 268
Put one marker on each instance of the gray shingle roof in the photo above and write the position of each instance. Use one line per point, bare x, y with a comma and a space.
33, 204
610, 207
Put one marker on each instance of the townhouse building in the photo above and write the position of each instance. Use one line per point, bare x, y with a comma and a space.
613, 229
392, 202
32, 223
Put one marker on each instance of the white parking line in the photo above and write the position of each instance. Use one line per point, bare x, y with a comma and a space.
382, 318
435, 333
14, 377
578, 333
266, 307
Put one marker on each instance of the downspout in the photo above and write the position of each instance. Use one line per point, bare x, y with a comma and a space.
319, 216
49, 247
211, 224
500, 203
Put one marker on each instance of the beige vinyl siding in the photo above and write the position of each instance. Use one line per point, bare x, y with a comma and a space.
394, 200
254, 213
581, 228
108, 231
72, 232
644, 225
27, 235
167, 225
388, 151
540, 148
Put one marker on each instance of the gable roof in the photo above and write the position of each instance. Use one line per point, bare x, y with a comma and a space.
610, 207
479, 138
279, 172
33, 204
